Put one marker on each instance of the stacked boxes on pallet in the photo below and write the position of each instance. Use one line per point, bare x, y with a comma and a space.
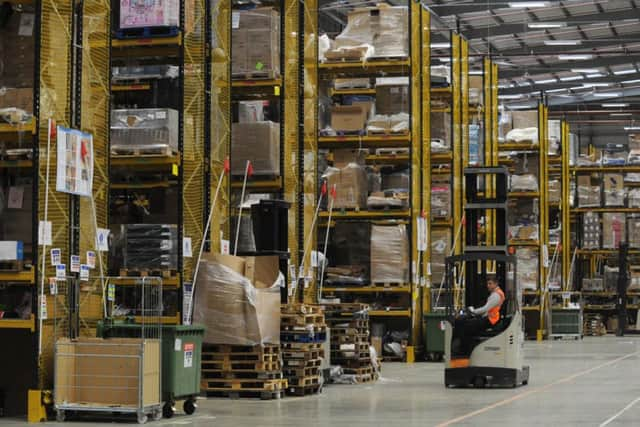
349, 326
303, 333
242, 371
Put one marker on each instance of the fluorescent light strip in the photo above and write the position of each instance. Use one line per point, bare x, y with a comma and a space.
595, 76
571, 78
629, 82
562, 42
510, 96
546, 24
575, 57
519, 106
631, 128
595, 84
545, 82
607, 95
615, 105
476, 73
585, 70
620, 114
440, 45
528, 4
623, 72
555, 90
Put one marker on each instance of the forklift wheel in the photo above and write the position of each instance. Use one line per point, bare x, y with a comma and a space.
167, 410
479, 382
189, 406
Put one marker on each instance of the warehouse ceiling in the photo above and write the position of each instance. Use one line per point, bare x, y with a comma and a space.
583, 55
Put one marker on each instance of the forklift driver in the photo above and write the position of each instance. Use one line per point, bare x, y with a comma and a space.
483, 318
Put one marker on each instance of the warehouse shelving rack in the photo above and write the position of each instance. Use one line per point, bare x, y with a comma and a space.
186, 170
586, 263
536, 302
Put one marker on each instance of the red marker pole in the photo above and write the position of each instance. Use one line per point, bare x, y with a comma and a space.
248, 171
226, 171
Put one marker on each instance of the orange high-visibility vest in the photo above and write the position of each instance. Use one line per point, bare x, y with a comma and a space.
494, 313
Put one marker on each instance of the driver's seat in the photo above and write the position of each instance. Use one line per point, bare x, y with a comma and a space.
494, 330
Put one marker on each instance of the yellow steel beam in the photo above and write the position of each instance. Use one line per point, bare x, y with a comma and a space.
543, 231
220, 128
310, 133
457, 139
565, 206
464, 87
291, 144
427, 157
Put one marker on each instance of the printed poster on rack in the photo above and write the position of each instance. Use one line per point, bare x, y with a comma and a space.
75, 162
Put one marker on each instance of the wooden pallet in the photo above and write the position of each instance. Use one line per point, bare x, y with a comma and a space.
245, 394
351, 338
241, 357
240, 366
256, 75
359, 371
248, 384
142, 151
296, 364
302, 337
304, 391
146, 32
274, 374
361, 347
299, 319
342, 331
307, 371
392, 151
302, 355
315, 328
147, 272
301, 309
11, 266
241, 349
387, 132
304, 381
300, 346
18, 154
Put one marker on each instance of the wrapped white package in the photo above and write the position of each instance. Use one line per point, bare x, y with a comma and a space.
523, 135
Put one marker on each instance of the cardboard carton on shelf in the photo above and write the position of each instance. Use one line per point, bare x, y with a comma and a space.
237, 299
250, 111
351, 184
17, 50
440, 249
21, 98
613, 229
614, 191
255, 42
633, 231
555, 191
258, 142
11, 250
348, 118
162, 13
389, 254
525, 119
392, 95
476, 90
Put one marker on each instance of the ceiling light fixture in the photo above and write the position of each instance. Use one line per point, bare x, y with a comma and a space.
519, 106
629, 82
555, 90
596, 75
585, 70
546, 24
518, 96
528, 4
615, 105
544, 82
476, 73
620, 114
571, 78
595, 84
440, 45
575, 57
607, 95
623, 72
562, 42
628, 128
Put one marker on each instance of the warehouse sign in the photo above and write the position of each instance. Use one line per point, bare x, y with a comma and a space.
75, 162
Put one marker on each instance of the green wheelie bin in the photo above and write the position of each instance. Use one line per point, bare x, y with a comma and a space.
433, 330
181, 360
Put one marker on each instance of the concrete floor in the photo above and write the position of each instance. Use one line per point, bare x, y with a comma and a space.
594, 382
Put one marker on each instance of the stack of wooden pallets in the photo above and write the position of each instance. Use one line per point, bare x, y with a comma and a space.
303, 332
237, 371
349, 326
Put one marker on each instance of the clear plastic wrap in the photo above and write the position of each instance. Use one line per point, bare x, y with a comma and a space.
588, 196
389, 254
148, 246
351, 186
613, 229
255, 43
527, 269
614, 158
614, 190
158, 13
555, 136
392, 95
442, 71
525, 135
238, 299
528, 182
388, 199
145, 72
440, 132
523, 219
591, 230
398, 181
144, 128
633, 198
441, 200
258, 142
633, 231
440, 248
634, 157
555, 191
349, 252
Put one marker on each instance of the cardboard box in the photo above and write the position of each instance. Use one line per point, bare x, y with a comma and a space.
389, 254
526, 163
476, 90
259, 18
235, 309
441, 128
613, 229
348, 118
441, 200
352, 83
258, 142
263, 53
614, 191
392, 95
11, 250
351, 186
16, 221
255, 42
239, 50
105, 372
376, 342
589, 196
17, 98
525, 119
250, 111
555, 191
342, 157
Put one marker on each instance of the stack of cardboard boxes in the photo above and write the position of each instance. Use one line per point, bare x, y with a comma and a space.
389, 254
349, 177
258, 142
255, 43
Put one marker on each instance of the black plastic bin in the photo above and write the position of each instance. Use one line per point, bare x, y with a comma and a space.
270, 225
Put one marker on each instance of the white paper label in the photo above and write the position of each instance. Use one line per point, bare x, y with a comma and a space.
84, 272
188, 355
43, 307
314, 259
186, 247
422, 234
178, 344
16, 196
75, 264
27, 23
161, 115
235, 20
91, 259
53, 286
44, 233
545, 256
111, 292
56, 256
224, 247
61, 272
102, 240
